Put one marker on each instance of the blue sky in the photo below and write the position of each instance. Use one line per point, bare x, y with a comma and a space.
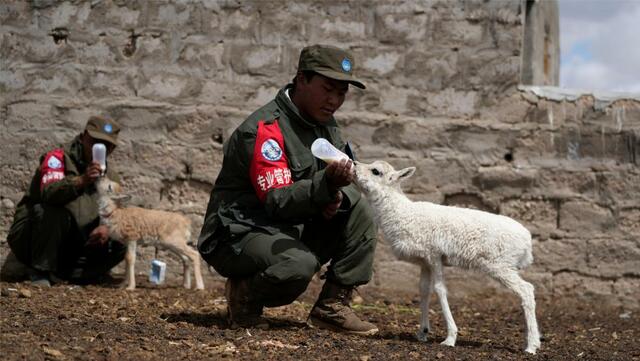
600, 45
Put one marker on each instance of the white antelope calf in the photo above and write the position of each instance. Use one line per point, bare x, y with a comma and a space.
431, 235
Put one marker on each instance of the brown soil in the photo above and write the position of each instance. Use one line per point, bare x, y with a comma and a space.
170, 323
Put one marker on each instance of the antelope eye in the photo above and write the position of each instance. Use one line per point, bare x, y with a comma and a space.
375, 172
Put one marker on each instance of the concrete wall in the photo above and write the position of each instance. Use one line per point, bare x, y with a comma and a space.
442, 95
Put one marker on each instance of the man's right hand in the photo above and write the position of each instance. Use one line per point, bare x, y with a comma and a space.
91, 174
340, 174
99, 236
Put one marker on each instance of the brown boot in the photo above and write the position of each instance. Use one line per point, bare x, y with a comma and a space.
243, 311
332, 311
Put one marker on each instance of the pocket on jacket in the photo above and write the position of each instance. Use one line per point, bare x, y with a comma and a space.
301, 165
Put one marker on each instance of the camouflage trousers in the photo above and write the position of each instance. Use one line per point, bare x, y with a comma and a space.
280, 266
48, 240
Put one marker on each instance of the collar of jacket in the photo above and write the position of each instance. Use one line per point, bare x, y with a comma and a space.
75, 151
291, 111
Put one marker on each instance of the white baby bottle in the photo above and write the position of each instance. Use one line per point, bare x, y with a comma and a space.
100, 155
323, 149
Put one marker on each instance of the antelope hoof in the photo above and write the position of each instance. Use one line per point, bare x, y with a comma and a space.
422, 334
450, 341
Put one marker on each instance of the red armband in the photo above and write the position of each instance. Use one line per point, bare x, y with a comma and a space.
269, 165
52, 167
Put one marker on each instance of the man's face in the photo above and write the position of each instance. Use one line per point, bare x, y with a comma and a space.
319, 97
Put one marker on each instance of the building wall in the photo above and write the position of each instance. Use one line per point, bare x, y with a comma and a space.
442, 94
541, 43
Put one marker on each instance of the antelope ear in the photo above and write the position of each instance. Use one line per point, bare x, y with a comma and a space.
403, 174
121, 198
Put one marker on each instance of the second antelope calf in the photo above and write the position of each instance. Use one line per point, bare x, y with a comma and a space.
130, 225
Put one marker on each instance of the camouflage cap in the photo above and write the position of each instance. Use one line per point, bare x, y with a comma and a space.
329, 61
103, 128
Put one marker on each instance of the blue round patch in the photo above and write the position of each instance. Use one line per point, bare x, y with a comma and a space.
108, 128
271, 150
346, 65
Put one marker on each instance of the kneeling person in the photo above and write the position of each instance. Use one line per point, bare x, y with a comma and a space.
277, 214
56, 230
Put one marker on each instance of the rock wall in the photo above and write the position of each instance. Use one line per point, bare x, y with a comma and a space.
442, 94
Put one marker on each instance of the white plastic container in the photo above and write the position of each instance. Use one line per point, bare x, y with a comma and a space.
157, 273
99, 151
322, 149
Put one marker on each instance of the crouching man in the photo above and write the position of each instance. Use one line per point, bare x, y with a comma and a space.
277, 214
56, 231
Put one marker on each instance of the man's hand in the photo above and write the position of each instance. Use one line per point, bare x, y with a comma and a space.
331, 209
340, 174
91, 174
99, 236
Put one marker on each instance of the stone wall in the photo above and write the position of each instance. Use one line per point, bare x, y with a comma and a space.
442, 94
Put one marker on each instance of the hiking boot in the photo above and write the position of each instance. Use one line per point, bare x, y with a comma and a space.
39, 278
42, 278
332, 312
243, 311
108, 280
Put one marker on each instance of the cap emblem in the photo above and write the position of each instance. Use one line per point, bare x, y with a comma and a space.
346, 65
271, 150
108, 128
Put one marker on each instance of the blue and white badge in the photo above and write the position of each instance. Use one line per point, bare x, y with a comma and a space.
271, 150
54, 163
108, 128
346, 65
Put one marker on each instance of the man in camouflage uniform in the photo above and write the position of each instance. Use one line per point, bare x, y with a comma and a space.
56, 230
277, 214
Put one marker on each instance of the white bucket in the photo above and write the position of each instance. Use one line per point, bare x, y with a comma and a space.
157, 272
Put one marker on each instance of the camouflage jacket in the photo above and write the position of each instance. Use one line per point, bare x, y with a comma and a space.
53, 184
269, 179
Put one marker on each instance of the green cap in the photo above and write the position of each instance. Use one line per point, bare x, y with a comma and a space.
329, 61
103, 128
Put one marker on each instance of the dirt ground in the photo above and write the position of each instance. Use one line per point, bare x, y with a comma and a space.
68, 322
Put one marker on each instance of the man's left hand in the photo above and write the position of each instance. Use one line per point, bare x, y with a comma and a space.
331, 209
